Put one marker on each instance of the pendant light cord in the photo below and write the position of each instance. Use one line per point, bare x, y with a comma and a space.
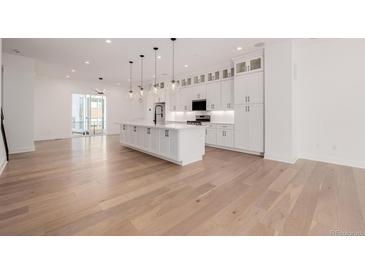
173, 59
130, 77
155, 49
141, 71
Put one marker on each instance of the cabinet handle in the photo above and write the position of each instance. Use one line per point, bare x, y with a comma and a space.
135, 129
166, 133
206, 132
248, 108
148, 131
248, 98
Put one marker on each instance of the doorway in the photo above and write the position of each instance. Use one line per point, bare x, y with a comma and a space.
88, 114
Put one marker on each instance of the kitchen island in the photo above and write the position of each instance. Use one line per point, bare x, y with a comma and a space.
178, 143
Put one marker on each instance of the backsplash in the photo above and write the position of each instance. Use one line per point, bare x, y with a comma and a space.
221, 116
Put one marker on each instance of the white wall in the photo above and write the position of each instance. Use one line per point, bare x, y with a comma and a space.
19, 75
2, 147
330, 90
280, 139
53, 112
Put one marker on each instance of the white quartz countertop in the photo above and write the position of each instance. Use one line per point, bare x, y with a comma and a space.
163, 126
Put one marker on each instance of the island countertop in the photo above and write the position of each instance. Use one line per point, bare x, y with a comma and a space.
163, 126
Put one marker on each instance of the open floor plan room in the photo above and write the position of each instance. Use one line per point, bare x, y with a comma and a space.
170, 136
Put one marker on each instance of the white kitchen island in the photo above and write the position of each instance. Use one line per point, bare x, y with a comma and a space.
178, 143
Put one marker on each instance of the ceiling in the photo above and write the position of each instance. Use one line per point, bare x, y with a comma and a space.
57, 57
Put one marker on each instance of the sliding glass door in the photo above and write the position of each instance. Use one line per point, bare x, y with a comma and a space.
88, 114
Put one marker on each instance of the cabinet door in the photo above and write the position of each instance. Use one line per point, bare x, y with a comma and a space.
241, 127
165, 142
141, 132
255, 64
254, 85
240, 96
213, 96
155, 140
186, 99
227, 94
133, 136
228, 138
179, 99
123, 134
199, 92
211, 136
256, 127
249, 88
220, 137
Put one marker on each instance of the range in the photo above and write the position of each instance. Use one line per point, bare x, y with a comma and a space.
199, 120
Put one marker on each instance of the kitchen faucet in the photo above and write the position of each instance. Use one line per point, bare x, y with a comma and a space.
161, 114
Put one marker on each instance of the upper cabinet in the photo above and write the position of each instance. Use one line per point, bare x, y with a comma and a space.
249, 63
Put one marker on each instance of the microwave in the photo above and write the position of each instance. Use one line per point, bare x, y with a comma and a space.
199, 105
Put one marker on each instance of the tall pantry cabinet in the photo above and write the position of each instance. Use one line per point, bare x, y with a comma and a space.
249, 102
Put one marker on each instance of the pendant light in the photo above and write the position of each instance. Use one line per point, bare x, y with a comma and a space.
174, 84
130, 79
141, 86
154, 86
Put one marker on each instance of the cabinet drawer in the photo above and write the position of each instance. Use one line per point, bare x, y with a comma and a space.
225, 126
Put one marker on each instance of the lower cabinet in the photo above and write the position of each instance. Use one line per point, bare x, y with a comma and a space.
224, 137
154, 140
220, 135
211, 136
168, 143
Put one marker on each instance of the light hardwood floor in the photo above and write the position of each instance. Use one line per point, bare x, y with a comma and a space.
94, 186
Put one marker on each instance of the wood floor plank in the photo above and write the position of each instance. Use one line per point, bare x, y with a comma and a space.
95, 186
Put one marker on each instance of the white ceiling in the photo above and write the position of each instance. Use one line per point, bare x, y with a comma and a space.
58, 56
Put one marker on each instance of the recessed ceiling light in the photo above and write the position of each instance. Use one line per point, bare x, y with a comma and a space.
129, 80
108, 41
67, 76
186, 66
239, 48
118, 84
159, 57
73, 70
87, 62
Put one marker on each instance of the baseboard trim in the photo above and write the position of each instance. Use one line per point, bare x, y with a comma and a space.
22, 150
3, 166
236, 149
280, 159
341, 162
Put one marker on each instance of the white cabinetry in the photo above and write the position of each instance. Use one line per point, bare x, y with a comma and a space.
227, 94
211, 136
199, 92
185, 99
225, 136
213, 96
249, 88
249, 127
